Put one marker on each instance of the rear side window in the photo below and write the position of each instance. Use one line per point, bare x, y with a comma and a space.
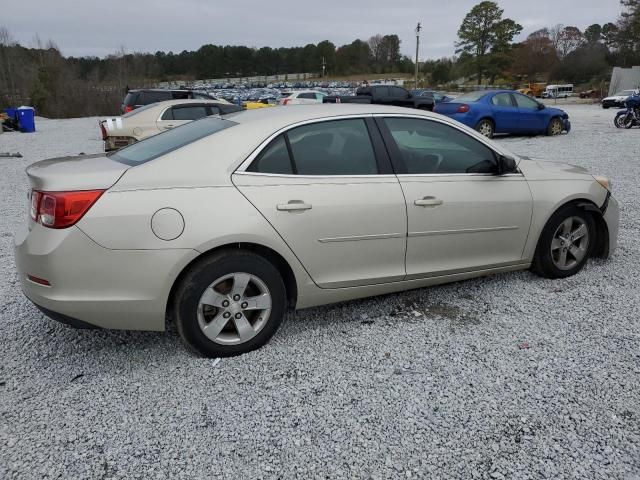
158, 145
428, 147
181, 95
189, 113
273, 159
502, 100
398, 92
146, 98
311, 96
338, 147
131, 98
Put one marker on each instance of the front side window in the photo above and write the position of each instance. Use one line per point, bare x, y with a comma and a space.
398, 92
525, 102
337, 147
428, 147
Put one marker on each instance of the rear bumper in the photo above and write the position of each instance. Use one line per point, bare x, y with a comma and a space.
566, 124
92, 286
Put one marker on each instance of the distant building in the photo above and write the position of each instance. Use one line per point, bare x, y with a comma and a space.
624, 79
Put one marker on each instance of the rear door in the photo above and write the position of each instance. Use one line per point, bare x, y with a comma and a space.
532, 119
461, 215
328, 189
505, 113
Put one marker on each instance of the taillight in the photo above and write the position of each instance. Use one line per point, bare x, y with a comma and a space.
286, 100
128, 108
463, 108
61, 209
103, 130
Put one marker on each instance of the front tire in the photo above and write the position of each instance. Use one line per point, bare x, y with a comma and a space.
229, 304
485, 127
565, 244
555, 127
618, 121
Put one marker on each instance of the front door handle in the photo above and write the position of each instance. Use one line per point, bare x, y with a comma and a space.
293, 205
428, 202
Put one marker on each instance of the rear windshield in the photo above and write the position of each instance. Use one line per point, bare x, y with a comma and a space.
471, 96
138, 110
158, 145
130, 99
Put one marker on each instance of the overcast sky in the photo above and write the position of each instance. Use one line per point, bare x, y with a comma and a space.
89, 27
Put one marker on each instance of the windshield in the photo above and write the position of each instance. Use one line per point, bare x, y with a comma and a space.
624, 93
158, 145
471, 97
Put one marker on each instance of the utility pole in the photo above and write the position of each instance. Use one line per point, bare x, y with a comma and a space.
418, 28
324, 66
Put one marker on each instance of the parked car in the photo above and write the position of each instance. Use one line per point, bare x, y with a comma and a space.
384, 95
155, 118
617, 100
438, 97
589, 94
301, 97
145, 96
505, 111
223, 224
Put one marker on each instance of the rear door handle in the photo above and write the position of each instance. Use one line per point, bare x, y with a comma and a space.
293, 205
428, 202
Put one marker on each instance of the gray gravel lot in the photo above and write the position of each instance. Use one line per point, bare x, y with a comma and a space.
511, 376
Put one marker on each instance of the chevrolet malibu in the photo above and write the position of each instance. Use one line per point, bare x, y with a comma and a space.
221, 225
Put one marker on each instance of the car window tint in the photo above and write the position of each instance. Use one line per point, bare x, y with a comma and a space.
382, 91
339, 147
397, 92
189, 113
167, 115
153, 97
131, 98
273, 159
502, 100
431, 147
311, 96
178, 95
526, 102
158, 145
214, 110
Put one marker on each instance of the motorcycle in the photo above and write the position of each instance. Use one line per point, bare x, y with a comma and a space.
631, 116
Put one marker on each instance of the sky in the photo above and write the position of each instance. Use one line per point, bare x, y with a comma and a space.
89, 27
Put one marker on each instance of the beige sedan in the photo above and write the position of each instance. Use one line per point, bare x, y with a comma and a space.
224, 224
144, 122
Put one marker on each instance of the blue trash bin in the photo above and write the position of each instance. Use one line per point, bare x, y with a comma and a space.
26, 119
11, 112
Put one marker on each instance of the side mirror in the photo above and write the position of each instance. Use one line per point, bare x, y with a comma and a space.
506, 165
541, 106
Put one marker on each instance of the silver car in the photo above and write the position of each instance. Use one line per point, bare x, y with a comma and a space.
222, 224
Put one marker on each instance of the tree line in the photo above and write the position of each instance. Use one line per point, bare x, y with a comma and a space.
486, 51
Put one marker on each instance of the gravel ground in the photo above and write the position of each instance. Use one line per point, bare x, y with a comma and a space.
511, 376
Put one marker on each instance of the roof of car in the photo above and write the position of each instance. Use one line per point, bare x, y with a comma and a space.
168, 103
280, 117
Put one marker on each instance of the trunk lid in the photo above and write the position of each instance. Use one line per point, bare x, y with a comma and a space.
83, 172
448, 107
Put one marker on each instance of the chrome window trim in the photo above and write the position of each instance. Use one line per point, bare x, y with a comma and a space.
389, 176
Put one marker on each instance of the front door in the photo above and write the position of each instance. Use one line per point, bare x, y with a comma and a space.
333, 199
462, 216
531, 119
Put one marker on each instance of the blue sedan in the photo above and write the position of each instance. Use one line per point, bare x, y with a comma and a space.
505, 111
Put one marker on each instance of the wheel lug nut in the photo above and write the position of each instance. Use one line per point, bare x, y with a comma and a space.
226, 314
238, 315
244, 305
225, 303
236, 297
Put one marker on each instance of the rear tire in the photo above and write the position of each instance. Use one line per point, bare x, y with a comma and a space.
565, 244
485, 127
229, 304
555, 127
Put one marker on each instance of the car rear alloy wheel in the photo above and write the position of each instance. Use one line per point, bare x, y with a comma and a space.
555, 127
234, 308
570, 243
565, 244
229, 303
485, 127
